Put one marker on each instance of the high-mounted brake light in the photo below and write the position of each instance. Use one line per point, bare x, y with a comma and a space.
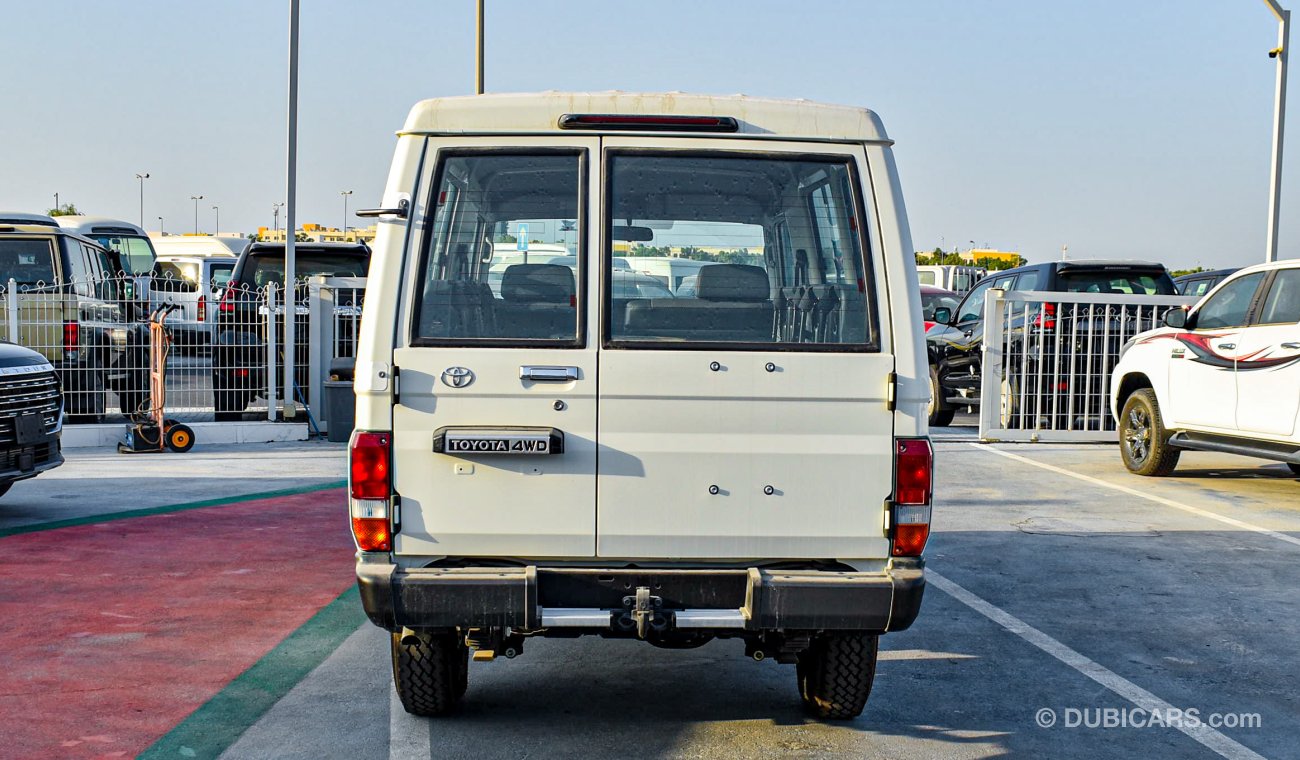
370, 490
913, 487
660, 123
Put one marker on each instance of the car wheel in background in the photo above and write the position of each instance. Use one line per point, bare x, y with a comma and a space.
940, 414
1143, 439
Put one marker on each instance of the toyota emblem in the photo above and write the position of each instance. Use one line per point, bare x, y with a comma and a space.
457, 377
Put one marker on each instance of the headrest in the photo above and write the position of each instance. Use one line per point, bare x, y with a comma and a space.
732, 282
537, 283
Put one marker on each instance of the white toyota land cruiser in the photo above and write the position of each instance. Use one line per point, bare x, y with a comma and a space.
562, 455
1224, 376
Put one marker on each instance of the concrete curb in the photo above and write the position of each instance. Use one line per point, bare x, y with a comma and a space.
94, 436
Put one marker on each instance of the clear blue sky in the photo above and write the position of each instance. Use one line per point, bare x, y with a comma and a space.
1120, 128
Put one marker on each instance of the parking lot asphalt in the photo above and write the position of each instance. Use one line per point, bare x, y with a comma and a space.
1058, 583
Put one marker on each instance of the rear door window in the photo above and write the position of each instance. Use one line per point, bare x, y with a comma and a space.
29, 262
502, 262
1117, 283
177, 277
771, 246
1282, 305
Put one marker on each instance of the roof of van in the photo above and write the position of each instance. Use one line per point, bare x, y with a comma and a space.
22, 217
199, 246
540, 112
90, 225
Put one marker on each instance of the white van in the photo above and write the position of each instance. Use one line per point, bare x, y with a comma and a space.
562, 458
201, 245
131, 243
958, 279
196, 284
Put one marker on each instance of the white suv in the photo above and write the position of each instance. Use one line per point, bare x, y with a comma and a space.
558, 456
1224, 376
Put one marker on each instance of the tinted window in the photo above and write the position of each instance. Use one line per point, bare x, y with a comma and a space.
497, 264
1117, 283
716, 219
29, 262
973, 307
932, 301
1229, 306
267, 267
177, 276
1282, 306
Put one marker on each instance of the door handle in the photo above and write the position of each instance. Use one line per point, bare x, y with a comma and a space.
1227, 346
548, 374
1292, 345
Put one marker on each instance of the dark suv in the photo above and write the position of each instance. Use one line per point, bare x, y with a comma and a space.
956, 342
239, 347
73, 308
31, 411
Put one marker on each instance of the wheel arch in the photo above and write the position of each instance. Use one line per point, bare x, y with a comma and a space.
1131, 383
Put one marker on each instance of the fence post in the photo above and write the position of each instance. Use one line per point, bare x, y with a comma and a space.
316, 331
270, 352
14, 333
991, 360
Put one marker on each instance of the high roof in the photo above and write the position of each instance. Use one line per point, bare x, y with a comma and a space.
532, 113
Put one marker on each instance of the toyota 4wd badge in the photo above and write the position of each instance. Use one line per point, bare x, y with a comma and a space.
457, 377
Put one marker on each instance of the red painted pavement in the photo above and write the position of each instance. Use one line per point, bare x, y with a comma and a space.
111, 634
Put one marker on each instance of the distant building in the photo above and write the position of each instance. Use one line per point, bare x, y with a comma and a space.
318, 234
990, 254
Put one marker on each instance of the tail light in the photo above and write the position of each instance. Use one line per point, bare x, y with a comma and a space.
1047, 319
71, 339
370, 490
913, 487
203, 309
227, 302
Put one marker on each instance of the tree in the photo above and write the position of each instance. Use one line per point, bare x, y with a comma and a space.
1181, 272
506, 238
66, 209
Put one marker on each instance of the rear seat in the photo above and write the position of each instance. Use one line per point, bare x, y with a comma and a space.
457, 308
537, 302
732, 303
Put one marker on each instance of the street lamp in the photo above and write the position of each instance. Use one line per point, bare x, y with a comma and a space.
196, 199
1280, 53
275, 210
345, 194
142, 178
216, 212
160, 227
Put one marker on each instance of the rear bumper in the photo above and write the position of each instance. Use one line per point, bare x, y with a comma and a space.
532, 598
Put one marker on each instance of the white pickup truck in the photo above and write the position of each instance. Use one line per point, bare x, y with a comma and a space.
557, 457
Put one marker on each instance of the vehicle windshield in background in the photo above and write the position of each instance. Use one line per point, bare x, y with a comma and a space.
1119, 283
137, 253
265, 268
220, 274
27, 262
176, 276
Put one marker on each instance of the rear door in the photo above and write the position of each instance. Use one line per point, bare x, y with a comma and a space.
1268, 361
748, 420
494, 428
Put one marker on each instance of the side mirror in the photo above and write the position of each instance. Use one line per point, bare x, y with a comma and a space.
943, 315
1176, 318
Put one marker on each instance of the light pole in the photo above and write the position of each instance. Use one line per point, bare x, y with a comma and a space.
478, 69
290, 221
345, 194
142, 178
56, 201
216, 213
1280, 53
161, 233
196, 199
275, 211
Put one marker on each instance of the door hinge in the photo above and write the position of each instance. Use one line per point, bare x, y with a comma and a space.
891, 392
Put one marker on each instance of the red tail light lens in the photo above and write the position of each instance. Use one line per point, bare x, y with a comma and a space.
203, 309
1047, 319
71, 337
368, 455
227, 302
913, 488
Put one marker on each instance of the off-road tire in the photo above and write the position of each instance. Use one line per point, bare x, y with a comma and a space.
1154, 457
430, 672
835, 674
941, 414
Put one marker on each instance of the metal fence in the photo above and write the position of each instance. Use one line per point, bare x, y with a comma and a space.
226, 361
1048, 357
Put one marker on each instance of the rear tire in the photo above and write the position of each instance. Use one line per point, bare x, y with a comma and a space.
940, 413
835, 674
430, 672
1143, 439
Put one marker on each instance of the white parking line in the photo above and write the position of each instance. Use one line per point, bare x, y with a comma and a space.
1144, 699
1149, 497
408, 736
